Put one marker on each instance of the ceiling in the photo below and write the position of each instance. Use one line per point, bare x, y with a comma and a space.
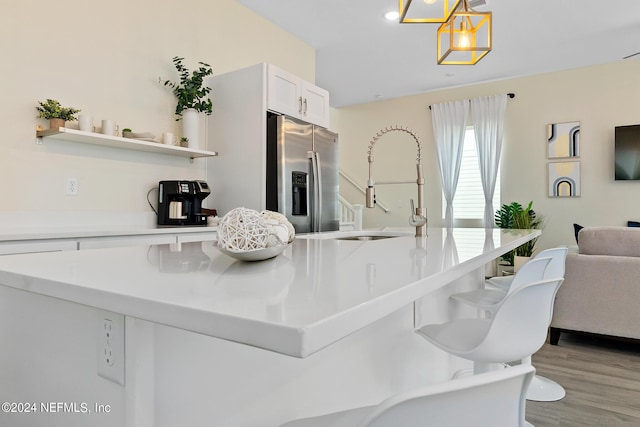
362, 57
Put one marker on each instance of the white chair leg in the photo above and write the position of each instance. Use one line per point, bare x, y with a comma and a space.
481, 368
478, 368
543, 389
462, 373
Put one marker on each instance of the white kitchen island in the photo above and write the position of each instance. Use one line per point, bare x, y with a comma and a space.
211, 341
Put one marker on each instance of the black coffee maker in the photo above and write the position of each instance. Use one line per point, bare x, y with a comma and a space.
180, 203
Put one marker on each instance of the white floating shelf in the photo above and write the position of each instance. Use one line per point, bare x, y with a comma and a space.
94, 138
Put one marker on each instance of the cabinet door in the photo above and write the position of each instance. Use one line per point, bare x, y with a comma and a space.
32, 246
206, 236
121, 241
290, 95
315, 104
283, 92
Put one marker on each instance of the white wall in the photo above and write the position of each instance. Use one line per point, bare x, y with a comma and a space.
105, 58
600, 97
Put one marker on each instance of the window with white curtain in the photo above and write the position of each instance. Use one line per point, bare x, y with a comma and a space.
469, 200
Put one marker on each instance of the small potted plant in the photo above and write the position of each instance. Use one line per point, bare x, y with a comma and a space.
127, 133
184, 142
56, 113
192, 94
514, 216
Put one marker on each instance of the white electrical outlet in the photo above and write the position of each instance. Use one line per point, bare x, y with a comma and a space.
72, 187
111, 347
107, 347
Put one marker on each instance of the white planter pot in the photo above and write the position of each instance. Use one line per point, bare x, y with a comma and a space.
519, 261
191, 127
504, 269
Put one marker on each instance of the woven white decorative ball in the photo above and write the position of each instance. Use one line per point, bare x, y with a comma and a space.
280, 229
242, 230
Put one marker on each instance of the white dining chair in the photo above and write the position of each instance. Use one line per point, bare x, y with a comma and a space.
495, 399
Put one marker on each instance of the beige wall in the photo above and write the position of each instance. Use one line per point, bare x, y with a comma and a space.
600, 97
105, 58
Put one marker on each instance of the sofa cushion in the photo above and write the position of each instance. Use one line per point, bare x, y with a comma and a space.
617, 241
600, 295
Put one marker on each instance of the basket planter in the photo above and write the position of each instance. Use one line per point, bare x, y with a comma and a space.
56, 123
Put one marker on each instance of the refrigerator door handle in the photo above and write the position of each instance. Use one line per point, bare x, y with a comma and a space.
317, 186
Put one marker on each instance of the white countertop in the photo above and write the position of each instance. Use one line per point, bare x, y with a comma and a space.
30, 226
317, 292
70, 232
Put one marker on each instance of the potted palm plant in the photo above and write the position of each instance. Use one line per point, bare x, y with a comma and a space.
192, 94
514, 216
56, 113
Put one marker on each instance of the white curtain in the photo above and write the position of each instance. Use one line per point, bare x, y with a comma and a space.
449, 125
488, 120
449, 251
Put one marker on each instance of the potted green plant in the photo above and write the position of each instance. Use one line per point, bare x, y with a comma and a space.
184, 142
127, 133
191, 91
56, 113
514, 216
192, 94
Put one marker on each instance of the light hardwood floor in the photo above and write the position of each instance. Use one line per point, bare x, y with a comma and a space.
602, 380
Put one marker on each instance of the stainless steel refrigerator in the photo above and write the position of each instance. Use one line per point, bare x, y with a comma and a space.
302, 174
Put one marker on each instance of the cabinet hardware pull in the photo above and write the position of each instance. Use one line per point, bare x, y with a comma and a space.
300, 104
305, 107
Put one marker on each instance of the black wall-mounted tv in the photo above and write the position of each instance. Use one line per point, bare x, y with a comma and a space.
627, 153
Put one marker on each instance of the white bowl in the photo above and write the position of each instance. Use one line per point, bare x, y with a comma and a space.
257, 254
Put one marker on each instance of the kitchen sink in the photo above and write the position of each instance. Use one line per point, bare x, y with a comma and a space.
362, 236
365, 238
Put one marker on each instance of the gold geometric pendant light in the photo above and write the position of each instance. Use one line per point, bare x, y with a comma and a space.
426, 11
465, 38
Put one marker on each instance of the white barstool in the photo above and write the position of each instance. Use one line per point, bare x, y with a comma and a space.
490, 299
517, 329
542, 389
556, 269
494, 399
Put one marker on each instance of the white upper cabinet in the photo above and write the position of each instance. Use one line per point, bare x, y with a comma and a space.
290, 95
315, 105
283, 92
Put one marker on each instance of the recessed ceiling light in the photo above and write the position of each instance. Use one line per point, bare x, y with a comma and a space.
393, 15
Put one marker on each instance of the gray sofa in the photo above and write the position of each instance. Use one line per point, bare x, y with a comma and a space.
601, 290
